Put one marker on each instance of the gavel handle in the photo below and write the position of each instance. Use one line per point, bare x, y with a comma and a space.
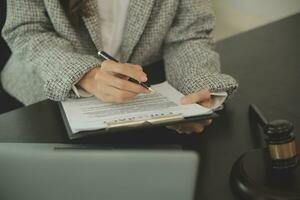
258, 116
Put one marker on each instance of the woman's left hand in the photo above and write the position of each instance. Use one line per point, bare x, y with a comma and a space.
203, 98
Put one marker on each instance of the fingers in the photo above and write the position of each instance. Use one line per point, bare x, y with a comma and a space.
112, 83
110, 94
201, 96
129, 70
207, 122
206, 103
121, 84
189, 128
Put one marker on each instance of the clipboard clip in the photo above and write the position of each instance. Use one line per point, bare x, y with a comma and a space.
154, 119
165, 118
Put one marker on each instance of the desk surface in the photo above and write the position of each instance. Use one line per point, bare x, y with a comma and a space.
266, 63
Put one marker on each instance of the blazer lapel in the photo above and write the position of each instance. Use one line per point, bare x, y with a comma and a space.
138, 14
92, 24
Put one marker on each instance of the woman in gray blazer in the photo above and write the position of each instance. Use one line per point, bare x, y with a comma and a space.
54, 47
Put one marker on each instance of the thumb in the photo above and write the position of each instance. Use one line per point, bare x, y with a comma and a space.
197, 97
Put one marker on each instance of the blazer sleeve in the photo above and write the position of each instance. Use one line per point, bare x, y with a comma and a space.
32, 38
191, 64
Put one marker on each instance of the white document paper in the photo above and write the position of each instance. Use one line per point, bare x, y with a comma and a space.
91, 114
218, 100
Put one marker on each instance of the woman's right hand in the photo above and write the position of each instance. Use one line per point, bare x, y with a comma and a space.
109, 83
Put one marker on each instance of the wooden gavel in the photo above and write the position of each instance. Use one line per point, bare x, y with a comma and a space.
280, 140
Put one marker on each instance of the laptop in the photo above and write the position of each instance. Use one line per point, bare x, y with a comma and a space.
68, 172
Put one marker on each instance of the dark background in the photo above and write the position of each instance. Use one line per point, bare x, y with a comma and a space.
7, 103
5, 52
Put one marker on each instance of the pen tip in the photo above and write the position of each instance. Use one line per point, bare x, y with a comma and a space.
152, 91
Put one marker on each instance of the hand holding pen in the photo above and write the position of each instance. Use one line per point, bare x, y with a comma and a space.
106, 56
110, 82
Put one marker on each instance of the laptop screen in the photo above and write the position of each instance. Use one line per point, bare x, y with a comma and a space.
43, 171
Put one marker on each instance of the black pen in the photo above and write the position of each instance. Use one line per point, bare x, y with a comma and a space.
106, 56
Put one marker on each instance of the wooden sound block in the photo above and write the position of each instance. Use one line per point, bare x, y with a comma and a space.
252, 177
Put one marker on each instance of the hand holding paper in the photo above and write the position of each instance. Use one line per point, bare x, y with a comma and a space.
91, 114
203, 98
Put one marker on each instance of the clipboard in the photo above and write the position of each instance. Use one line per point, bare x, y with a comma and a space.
127, 125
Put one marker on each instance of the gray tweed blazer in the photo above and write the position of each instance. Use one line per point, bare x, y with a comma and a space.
49, 55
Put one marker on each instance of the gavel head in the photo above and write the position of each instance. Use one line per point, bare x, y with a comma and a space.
281, 144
